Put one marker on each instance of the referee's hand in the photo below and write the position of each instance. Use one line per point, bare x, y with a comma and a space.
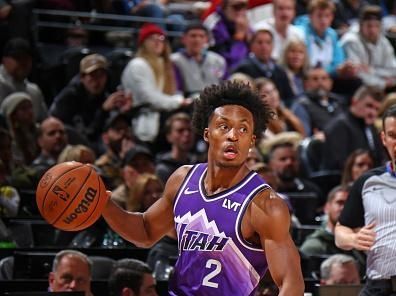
364, 239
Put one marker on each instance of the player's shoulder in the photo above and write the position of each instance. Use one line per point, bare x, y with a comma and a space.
175, 181
270, 203
179, 175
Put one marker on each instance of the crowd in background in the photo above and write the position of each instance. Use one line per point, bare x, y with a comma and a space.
327, 68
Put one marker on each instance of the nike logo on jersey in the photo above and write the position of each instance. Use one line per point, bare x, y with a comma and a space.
188, 191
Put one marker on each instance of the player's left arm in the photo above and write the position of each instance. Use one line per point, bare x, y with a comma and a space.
270, 218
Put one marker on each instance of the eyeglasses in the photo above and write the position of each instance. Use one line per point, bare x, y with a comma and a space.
239, 6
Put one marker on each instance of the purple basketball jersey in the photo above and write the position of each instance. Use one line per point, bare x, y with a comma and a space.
214, 258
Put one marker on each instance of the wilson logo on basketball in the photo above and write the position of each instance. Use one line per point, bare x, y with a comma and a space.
59, 192
83, 206
45, 180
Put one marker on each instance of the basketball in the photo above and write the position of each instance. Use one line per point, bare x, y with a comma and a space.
71, 196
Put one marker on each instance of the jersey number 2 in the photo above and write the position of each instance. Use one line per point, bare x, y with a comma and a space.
207, 279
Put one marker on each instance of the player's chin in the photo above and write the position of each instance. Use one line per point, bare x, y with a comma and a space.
228, 163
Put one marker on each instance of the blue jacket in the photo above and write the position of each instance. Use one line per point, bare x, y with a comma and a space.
330, 38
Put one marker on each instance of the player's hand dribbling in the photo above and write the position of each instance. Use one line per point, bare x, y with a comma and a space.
364, 239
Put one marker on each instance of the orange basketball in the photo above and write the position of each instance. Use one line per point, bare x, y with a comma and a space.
71, 196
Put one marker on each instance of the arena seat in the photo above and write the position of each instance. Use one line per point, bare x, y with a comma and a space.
6, 268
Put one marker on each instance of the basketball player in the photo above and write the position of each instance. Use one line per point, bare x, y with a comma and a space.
230, 224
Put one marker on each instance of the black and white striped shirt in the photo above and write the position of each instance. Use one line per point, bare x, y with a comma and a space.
373, 199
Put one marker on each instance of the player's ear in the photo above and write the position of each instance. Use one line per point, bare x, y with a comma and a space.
51, 279
127, 292
253, 141
383, 137
205, 135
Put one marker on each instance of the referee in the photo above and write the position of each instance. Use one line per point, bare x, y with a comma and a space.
368, 220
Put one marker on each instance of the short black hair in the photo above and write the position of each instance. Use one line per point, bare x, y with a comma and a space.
195, 26
390, 112
231, 93
127, 273
17, 48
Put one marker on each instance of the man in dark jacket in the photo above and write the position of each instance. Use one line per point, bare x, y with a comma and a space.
85, 102
260, 64
321, 241
354, 129
180, 135
318, 105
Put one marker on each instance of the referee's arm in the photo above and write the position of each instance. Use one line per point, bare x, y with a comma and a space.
351, 231
361, 239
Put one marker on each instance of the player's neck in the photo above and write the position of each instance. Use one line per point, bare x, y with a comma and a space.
218, 179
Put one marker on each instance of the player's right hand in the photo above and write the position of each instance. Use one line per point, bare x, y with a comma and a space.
364, 239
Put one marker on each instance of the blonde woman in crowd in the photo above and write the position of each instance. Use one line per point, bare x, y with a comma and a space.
151, 79
295, 61
285, 119
138, 198
78, 153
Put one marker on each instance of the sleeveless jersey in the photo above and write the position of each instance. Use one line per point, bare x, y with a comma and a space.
214, 258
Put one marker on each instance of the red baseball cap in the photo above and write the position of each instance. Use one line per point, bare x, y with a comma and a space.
147, 30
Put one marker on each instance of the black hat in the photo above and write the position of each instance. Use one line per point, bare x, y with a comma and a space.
135, 151
113, 118
17, 48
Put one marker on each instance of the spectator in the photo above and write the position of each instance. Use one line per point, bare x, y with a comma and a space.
137, 160
71, 271
339, 269
152, 9
52, 139
243, 78
366, 222
260, 64
146, 189
131, 277
118, 139
13, 172
322, 41
231, 32
389, 100
180, 135
285, 119
283, 159
318, 106
371, 51
354, 129
9, 201
322, 241
347, 13
78, 153
295, 60
17, 108
196, 66
14, 71
281, 25
254, 157
85, 102
389, 17
357, 163
6, 160
150, 77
